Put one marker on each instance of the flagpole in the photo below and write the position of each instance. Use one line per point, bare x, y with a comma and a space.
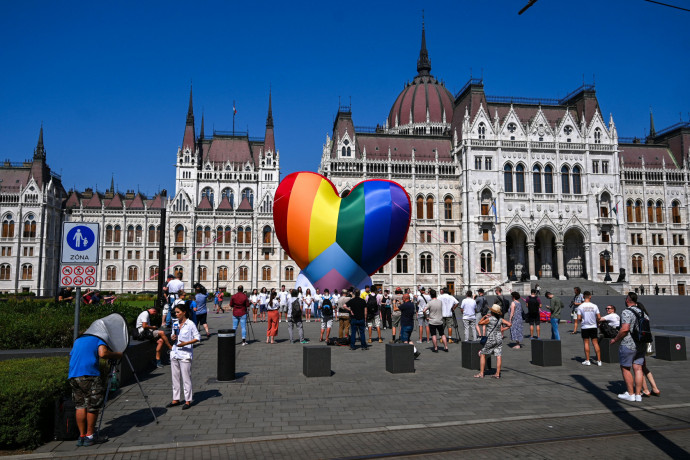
233, 117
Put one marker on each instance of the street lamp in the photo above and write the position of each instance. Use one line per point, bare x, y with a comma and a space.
607, 257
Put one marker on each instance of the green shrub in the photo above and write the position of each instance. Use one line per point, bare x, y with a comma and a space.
28, 390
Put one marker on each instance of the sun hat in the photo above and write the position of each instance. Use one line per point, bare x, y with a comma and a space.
496, 309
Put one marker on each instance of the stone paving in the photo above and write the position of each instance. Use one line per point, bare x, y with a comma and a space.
273, 411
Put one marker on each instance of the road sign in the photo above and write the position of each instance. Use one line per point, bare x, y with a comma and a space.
80, 243
78, 275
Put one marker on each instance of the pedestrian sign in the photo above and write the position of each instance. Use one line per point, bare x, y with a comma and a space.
80, 243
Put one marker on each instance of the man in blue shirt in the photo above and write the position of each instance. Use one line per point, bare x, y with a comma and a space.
87, 386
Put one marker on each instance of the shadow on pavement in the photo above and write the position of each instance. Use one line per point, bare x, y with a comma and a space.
200, 396
650, 434
142, 417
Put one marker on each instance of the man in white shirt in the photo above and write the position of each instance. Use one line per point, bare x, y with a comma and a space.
588, 315
610, 324
450, 303
174, 286
469, 316
146, 331
282, 300
423, 299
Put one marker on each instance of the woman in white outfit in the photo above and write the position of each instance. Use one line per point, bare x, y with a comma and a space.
181, 356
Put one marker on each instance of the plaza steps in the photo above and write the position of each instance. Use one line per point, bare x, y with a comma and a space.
565, 287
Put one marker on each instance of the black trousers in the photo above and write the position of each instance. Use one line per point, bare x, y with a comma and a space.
386, 317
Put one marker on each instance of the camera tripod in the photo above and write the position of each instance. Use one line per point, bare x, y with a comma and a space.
111, 374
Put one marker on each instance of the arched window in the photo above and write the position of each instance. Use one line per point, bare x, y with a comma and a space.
430, 207
108, 233
597, 136
637, 266
231, 196
638, 211
222, 273
207, 234
486, 201
29, 227
520, 178
486, 262
202, 273
447, 208
117, 234
132, 273
565, 180
179, 233
604, 204
219, 235
658, 263
5, 272
266, 274
208, 193
425, 263
130, 233
153, 272
602, 263
659, 212
111, 273
178, 271
249, 195
675, 212
577, 184
8, 226
138, 233
267, 235
481, 130
228, 235
199, 234
153, 234
243, 273
508, 178
420, 207
548, 179
650, 211
240, 235
536, 178
679, 264
247, 235
401, 263
629, 211
289, 274
344, 152
449, 263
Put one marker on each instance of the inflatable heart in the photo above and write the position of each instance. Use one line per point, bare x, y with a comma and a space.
339, 242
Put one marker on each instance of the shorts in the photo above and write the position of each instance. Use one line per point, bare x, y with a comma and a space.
146, 334
201, 318
422, 321
629, 357
374, 322
88, 392
396, 320
283, 308
326, 323
496, 350
447, 322
590, 333
436, 329
533, 320
262, 308
255, 307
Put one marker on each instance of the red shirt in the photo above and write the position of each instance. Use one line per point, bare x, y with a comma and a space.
239, 303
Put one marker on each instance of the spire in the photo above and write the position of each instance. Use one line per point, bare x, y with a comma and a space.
423, 63
40, 151
190, 111
201, 133
189, 137
269, 118
112, 183
269, 139
652, 131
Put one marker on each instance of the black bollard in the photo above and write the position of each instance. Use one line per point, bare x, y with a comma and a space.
226, 355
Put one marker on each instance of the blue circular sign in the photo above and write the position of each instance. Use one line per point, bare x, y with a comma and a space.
80, 238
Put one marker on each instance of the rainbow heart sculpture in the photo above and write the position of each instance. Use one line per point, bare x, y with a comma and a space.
340, 242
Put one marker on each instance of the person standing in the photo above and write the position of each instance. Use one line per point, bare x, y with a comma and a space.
175, 285
263, 302
308, 302
201, 310
318, 298
239, 303
181, 356
326, 314
254, 301
343, 315
396, 301
469, 317
516, 319
422, 299
294, 315
450, 303
407, 322
588, 314
373, 316
358, 312
576, 302
533, 305
434, 310
482, 308
283, 299
631, 353
505, 304
84, 377
495, 325
555, 307
386, 310
273, 308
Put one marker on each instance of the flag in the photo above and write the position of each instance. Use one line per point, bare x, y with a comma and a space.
493, 209
234, 110
616, 209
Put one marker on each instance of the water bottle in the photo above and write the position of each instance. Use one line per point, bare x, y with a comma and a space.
176, 328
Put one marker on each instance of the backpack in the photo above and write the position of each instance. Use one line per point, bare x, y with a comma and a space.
372, 306
483, 305
641, 331
296, 311
327, 307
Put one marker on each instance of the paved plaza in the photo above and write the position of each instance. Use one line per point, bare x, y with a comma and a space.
440, 411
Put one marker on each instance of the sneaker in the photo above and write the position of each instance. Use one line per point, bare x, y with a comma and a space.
626, 396
80, 441
88, 441
380, 340
159, 364
369, 341
416, 354
419, 341
599, 363
586, 363
434, 350
638, 398
304, 341
244, 344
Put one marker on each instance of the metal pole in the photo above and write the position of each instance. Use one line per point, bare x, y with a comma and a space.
161, 249
77, 304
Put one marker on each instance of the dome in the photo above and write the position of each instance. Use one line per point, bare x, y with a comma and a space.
424, 101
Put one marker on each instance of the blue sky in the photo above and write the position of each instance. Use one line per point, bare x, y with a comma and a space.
110, 80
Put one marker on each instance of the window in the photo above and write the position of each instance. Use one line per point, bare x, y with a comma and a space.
485, 261
153, 234
425, 263
675, 212
449, 263
602, 263
231, 196
536, 178
130, 234
249, 195
637, 264
650, 211
605, 167
481, 130
289, 274
425, 236
207, 234
595, 166
658, 264
29, 227
487, 163
267, 235
548, 179
117, 234
508, 178
138, 233
219, 235
5, 272
512, 127
565, 180
679, 264
116, 255
153, 272
179, 234
107, 254
477, 162
420, 207
222, 273
8, 227
447, 208
520, 179
484, 209
243, 273
629, 211
567, 130
448, 236
108, 233
137, 255
111, 273
430, 207
638, 211
577, 185
132, 273
240, 235
659, 212
129, 255
208, 193
401, 263
605, 237
247, 235
228, 235
485, 234
266, 274
178, 271
597, 136
28, 251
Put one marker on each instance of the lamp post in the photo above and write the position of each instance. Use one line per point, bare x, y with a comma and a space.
607, 257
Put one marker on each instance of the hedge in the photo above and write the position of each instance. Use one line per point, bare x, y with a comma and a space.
28, 391
31, 324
